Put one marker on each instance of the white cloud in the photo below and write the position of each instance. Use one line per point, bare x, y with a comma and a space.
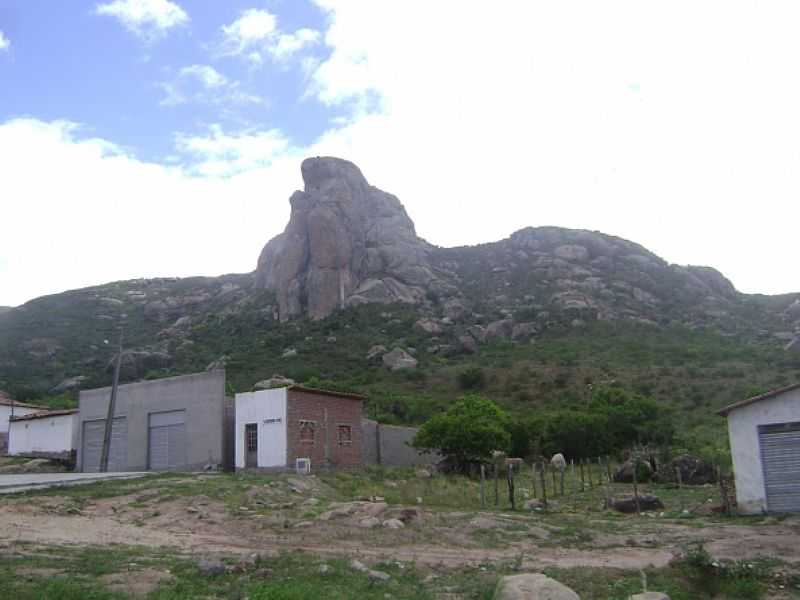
204, 84
221, 155
207, 75
5, 43
145, 18
255, 35
87, 212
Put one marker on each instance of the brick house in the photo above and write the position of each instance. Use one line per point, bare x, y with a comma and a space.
296, 426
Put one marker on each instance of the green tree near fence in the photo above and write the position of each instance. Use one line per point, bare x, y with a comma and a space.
613, 420
468, 432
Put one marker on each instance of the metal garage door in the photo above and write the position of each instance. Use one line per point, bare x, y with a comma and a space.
92, 445
167, 446
780, 456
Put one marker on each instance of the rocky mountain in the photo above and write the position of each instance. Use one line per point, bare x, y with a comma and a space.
348, 243
349, 293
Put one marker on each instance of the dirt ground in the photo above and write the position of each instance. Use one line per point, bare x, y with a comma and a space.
197, 524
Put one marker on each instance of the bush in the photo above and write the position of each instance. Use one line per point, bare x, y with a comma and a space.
472, 378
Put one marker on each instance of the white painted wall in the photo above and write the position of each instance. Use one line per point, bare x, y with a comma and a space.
5, 413
50, 434
751, 495
268, 409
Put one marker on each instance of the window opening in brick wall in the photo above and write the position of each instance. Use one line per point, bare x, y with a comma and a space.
307, 432
345, 435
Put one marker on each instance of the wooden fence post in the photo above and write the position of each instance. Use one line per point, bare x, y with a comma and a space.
496, 484
533, 479
583, 479
544, 487
483, 482
608, 468
589, 472
635, 487
553, 473
510, 477
574, 481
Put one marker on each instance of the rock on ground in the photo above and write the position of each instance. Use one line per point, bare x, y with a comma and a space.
627, 504
532, 586
650, 596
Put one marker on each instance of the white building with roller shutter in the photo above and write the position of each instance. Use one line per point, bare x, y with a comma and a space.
764, 434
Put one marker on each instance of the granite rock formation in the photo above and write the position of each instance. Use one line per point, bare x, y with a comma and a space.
346, 243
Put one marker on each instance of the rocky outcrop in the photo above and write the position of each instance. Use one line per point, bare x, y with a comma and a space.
399, 359
346, 243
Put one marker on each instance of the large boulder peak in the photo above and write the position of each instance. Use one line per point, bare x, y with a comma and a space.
346, 243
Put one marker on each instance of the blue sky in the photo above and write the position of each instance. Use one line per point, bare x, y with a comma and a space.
69, 62
145, 138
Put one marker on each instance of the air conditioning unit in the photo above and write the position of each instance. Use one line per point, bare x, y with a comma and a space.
303, 466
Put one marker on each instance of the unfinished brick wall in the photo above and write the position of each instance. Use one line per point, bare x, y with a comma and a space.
306, 412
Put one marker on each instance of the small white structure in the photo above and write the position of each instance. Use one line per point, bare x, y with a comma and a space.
764, 434
9, 407
48, 434
261, 429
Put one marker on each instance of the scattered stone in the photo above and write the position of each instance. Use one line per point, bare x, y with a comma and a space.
499, 330
483, 523
324, 569
693, 470
378, 575
357, 565
68, 384
627, 504
532, 586
289, 352
650, 596
423, 474
369, 522
136, 583
393, 524
373, 509
454, 310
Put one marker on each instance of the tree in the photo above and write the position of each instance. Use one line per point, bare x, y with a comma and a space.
468, 432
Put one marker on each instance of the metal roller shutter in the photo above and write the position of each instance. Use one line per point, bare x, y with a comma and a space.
92, 445
167, 445
780, 457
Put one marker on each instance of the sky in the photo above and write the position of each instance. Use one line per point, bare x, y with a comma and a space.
145, 138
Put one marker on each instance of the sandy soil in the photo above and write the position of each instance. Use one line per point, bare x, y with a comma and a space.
201, 526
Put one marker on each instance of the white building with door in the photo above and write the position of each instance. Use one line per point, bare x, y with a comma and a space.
764, 436
46, 434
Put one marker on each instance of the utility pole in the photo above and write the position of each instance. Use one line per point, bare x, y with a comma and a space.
111, 406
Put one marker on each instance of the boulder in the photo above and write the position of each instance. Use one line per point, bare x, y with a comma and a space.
369, 522
210, 567
499, 330
455, 310
522, 331
68, 384
572, 252
627, 503
429, 326
276, 381
399, 359
477, 332
624, 473
532, 586
289, 353
393, 524
346, 243
468, 344
794, 345
650, 596
376, 352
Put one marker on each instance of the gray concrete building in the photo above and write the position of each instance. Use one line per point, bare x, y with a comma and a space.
179, 423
